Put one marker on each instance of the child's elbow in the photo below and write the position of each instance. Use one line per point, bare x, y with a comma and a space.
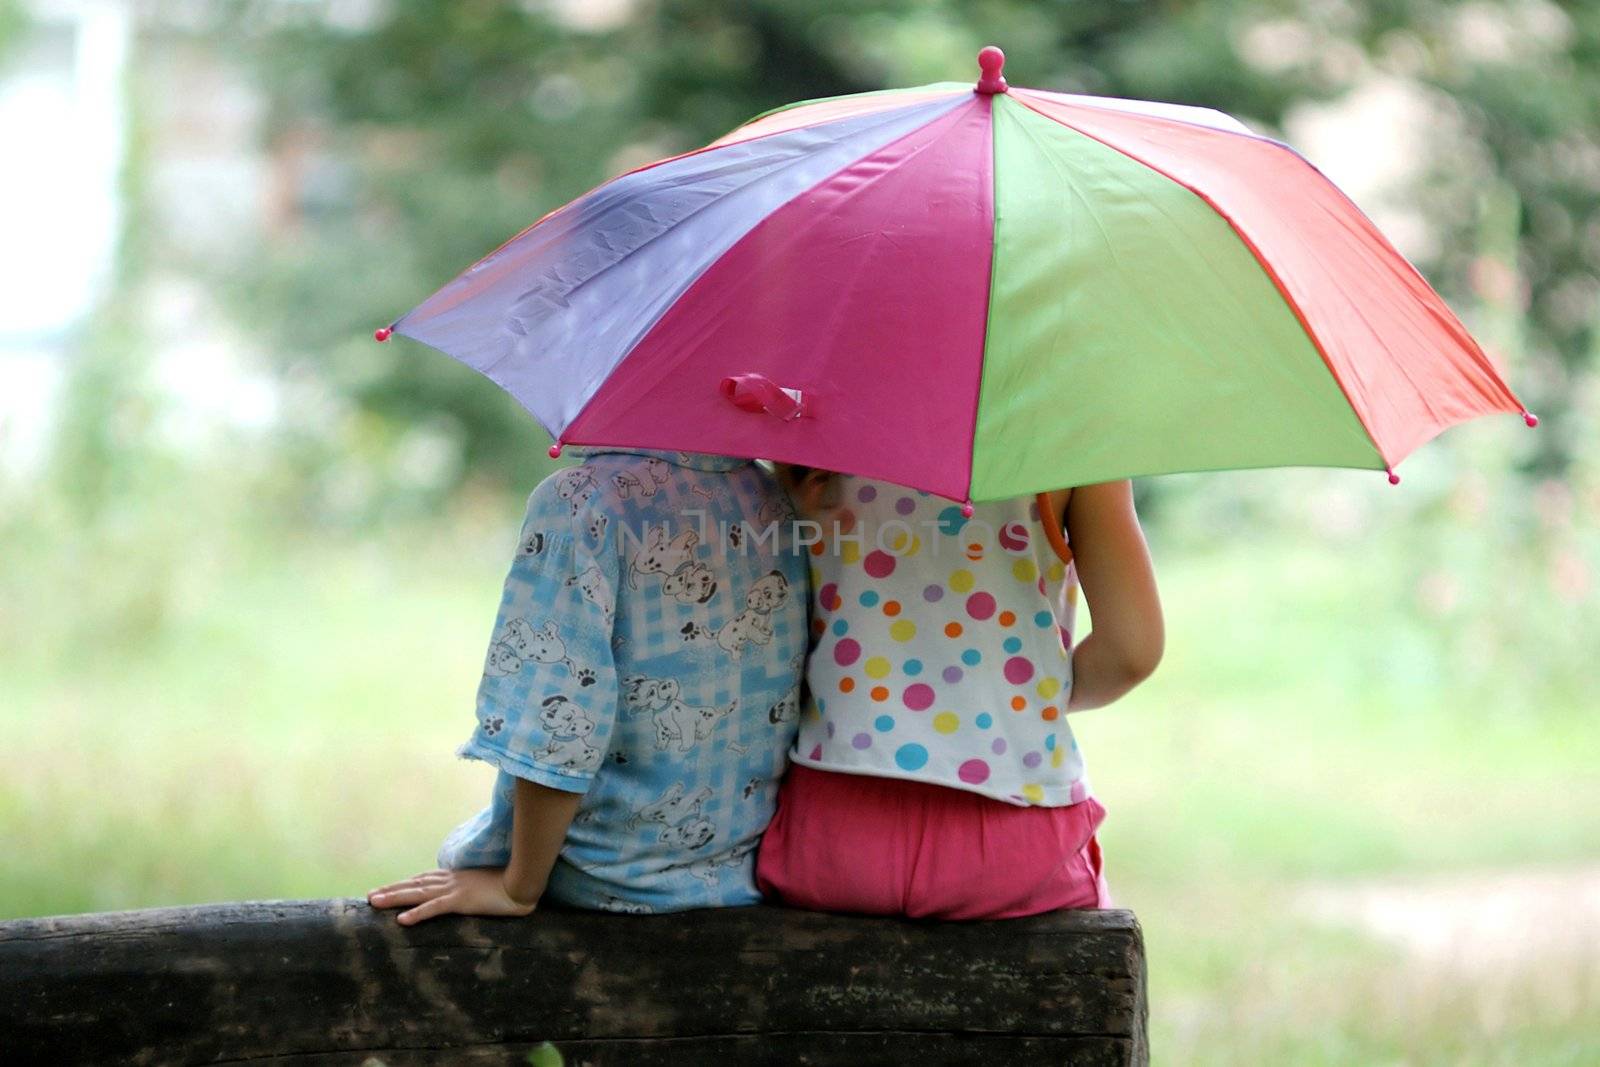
1139, 661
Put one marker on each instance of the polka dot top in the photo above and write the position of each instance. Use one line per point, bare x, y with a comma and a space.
940, 646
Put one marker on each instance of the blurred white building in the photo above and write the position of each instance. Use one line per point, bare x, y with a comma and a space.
63, 140
86, 78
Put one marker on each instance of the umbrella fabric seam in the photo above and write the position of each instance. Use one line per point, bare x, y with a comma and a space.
576, 431
878, 128
1255, 252
1479, 356
710, 147
988, 296
796, 161
953, 87
578, 417
1094, 102
1053, 156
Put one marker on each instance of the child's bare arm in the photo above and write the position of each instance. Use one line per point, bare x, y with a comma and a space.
538, 829
1119, 583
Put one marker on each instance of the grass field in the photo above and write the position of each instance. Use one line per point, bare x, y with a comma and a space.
279, 723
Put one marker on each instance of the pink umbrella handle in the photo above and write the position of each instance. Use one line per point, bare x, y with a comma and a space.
759, 394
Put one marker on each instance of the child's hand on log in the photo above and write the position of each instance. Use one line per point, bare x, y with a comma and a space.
469, 891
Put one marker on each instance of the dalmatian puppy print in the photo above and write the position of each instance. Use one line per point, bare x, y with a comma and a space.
592, 584
696, 833
785, 710
519, 644
753, 625
644, 480
570, 730
659, 556
677, 724
576, 486
693, 583
672, 807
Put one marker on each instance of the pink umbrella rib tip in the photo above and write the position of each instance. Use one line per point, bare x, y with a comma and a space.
383, 333
966, 509
1530, 418
1394, 479
991, 61
555, 450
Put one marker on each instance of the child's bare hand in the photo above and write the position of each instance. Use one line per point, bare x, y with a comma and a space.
469, 891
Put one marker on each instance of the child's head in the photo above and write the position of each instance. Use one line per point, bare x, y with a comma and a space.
806, 486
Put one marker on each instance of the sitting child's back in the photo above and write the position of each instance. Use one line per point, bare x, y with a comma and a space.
647, 654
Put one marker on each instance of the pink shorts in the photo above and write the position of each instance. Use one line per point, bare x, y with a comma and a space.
885, 846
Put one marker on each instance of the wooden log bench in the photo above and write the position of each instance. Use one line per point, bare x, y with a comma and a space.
332, 982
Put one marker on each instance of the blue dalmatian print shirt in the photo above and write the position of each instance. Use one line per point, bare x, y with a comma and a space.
647, 654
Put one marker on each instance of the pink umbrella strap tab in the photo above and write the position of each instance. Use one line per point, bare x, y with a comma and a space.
759, 394
991, 61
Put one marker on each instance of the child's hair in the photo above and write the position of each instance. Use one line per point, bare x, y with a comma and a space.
805, 485
808, 488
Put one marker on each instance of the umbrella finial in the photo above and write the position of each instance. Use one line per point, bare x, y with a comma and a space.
1530, 418
991, 61
382, 333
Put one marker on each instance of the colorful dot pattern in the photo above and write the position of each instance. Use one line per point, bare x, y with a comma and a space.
943, 652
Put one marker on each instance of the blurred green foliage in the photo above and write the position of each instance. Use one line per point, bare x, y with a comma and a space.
12, 22
287, 730
546, 1055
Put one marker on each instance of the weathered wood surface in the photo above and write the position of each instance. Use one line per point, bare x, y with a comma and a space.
332, 982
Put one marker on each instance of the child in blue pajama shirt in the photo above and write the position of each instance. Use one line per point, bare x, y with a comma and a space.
646, 658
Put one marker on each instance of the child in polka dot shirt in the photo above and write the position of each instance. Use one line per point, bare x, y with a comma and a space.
934, 774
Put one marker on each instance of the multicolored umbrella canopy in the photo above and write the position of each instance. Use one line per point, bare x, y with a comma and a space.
980, 292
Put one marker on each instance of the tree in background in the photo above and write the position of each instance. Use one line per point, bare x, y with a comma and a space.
12, 23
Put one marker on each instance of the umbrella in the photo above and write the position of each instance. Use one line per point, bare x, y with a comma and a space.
982, 292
